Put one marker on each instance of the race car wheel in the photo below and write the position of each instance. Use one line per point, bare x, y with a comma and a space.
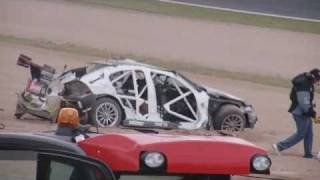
20, 111
106, 112
230, 119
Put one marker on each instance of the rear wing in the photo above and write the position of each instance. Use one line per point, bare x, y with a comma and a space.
37, 71
26, 61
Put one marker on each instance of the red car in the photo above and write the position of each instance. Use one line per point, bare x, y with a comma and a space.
173, 154
186, 157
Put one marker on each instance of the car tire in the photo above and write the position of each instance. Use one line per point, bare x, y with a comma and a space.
106, 112
229, 118
18, 115
20, 111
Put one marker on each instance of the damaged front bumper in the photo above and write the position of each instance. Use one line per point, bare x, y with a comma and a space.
251, 116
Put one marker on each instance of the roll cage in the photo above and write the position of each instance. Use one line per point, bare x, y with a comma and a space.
157, 95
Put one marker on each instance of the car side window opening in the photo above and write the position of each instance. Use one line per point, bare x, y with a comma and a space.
142, 90
60, 171
30, 165
174, 100
61, 168
18, 165
131, 87
123, 82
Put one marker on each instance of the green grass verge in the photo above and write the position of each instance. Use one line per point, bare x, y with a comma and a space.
275, 81
152, 6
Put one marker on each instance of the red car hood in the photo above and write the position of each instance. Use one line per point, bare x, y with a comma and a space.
184, 154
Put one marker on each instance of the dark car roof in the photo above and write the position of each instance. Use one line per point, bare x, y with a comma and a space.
37, 142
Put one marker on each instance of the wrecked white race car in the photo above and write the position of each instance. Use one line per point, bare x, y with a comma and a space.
134, 94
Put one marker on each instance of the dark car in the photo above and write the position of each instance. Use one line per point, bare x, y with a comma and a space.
41, 157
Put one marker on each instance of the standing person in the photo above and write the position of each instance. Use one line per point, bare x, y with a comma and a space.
302, 110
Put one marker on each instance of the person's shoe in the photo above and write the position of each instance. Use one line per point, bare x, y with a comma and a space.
308, 156
276, 149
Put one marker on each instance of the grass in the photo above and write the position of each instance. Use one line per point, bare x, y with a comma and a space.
275, 81
152, 6
188, 67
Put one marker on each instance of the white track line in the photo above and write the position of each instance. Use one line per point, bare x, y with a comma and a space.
240, 11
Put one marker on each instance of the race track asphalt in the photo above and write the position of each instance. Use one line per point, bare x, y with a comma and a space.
293, 8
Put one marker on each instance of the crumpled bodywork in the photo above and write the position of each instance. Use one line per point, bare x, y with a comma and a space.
154, 97
41, 95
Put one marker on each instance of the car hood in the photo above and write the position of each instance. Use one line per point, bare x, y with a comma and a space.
151, 139
212, 154
221, 94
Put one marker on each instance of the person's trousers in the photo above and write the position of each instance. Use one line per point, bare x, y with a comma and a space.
304, 132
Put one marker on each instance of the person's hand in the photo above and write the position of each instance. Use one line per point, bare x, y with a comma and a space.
311, 113
316, 120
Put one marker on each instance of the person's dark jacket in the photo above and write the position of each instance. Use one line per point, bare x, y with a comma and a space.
302, 95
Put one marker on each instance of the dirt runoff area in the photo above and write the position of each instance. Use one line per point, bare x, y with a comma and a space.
226, 46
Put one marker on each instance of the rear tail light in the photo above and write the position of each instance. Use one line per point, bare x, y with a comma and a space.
28, 84
34, 87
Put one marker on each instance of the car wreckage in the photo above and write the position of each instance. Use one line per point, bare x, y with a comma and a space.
128, 93
40, 97
137, 154
135, 94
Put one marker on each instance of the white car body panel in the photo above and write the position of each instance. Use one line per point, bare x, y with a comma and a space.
100, 84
